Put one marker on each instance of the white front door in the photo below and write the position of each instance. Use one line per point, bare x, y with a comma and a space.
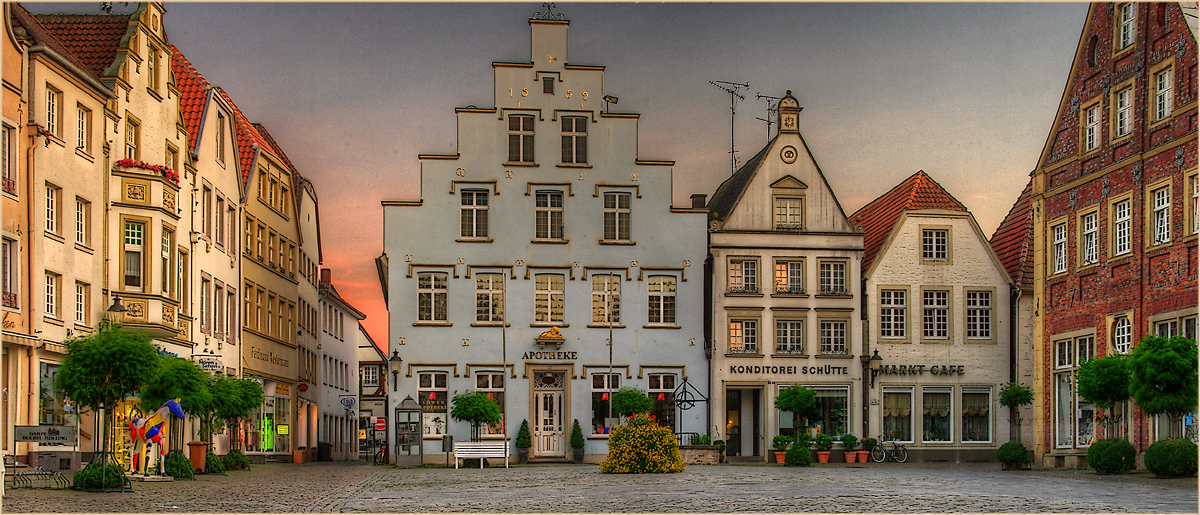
548, 428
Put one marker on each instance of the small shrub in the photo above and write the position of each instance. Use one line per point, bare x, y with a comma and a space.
797, 456
1173, 457
95, 476
214, 464
641, 446
178, 466
720, 446
803, 440
823, 442
869, 444
235, 460
629, 401
524, 440
1012, 453
781, 442
1015, 395
1111, 456
849, 441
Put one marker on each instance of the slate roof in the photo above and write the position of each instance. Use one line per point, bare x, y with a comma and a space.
879, 216
730, 191
43, 35
1013, 240
93, 38
193, 95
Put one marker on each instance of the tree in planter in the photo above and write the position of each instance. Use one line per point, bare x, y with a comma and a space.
524, 442
235, 400
98, 371
1163, 377
629, 401
1104, 382
1013, 396
181, 379
577, 442
476, 408
800, 401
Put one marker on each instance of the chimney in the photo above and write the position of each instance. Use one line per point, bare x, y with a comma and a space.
698, 200
326, 276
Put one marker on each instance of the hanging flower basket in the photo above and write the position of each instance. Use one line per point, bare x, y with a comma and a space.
162, 170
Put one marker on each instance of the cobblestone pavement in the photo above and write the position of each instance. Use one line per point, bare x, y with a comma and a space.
841, 488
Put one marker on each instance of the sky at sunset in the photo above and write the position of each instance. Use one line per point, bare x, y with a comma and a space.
353, 92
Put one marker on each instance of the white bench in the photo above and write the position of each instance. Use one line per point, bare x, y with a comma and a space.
480, 450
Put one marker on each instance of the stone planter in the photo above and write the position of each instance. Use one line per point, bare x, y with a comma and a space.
577, 455
522, 455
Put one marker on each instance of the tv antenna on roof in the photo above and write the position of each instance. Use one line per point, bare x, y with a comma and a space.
771, 109
733, 88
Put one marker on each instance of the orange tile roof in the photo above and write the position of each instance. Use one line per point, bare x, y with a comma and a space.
1013, 240
93, 38
248, 139
193, 94
878, 217
43, 35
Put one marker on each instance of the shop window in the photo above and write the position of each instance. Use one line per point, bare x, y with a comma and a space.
1073, 417
897, 414
432, 390
831, 411
976, 414
662, 391
493, 385
53, 408
935, 415
603, 386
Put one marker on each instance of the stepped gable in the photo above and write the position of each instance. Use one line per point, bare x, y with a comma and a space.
1013, 240
93, 38
731, 190
193, 95
44, 36
879, 216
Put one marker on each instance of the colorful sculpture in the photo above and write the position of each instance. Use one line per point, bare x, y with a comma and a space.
150, 430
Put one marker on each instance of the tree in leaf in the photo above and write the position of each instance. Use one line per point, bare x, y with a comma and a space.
476, 408
1163, 376
800, 401
177, 378
235, 399
1105, 383
629, 401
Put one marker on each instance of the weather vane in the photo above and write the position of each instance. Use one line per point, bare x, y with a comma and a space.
549, 14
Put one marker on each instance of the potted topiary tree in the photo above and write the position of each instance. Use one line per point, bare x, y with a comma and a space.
576, 442
849, 441
868, 445
1013, 396
780, 444
798, 455
524, 441
824, 443
1012, 455
1163, 378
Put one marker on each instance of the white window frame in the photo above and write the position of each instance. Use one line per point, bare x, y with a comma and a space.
548, 300
1091, 127
935, 314
979, 315
520, 138
83, 134
1127, 26
603, 384
11, 279
132, 139
661, 299
82, 303
1124, 110
835, 337
53, 208
1163, 98
789, 276
743, 336
618, 216
370, 375
789, 337
1089, 238
436, 383
1161, 214
1059, 246
53, 291
429, 292
606, 299
8, 163
221, 123
893, 314
1122, 213
789, 213
474, 218
492, 384
489, 297
53, 111
548, 215
574, 139
949, 392
83, 222
1122, 335
743, 275
134, 237
833, 277
987, 390
935, 244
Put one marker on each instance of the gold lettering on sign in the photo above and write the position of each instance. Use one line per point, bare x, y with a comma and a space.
693, 340
584, 96
401, 340
135, 192
168, 200
524, 92
581, 176
687, 263
568, 95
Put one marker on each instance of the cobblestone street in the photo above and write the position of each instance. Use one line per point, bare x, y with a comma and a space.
841, 488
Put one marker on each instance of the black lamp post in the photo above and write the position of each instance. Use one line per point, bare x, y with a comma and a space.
876, 363
394, 363
116, 312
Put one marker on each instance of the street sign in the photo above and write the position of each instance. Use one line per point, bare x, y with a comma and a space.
381, 423
210, 363
54, 435
348, 402
281, 429
381, 436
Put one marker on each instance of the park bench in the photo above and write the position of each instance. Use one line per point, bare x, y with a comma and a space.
480, 450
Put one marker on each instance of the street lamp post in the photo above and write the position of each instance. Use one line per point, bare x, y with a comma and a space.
394, 363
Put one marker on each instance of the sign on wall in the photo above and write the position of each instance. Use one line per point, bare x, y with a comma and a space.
53, 435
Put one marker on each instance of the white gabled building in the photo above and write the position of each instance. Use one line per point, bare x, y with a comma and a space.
542, 236
338, 397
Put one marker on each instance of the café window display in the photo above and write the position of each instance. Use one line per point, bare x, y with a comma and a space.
603, 386
831, 413
897, 414
433, 394
267, 430
935, 415
1073, 416
976, 414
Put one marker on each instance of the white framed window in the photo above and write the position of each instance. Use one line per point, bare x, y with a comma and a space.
1163, 99
935, 244
1167, 328
1121, 239
743, 276
53, 207
979, 314
53, 288
574, 138
474, 214
743, 337
897, 413
8, 162
548, 215
936, 322
520, 138
1195, 182
166, 243
603, 419
432, 390
82, 303
606, 299
1088, 239
661, 299
833, 337
1091, 128
220, 147
1063, 354
1060, 248
893, 314
662, 392
617, 215
548, 298
833, 278
370, 375
432, 290
152, 68
492, 383
135, 233
1127, 26
936, 407
219, 221
789, 337
1122, 335
1162, 215
789, 276
489, 297
1124, 121
1073, 417
976, 414
1085, 349
11, 267
133, 136
789, 214
83, 129
53, 111
83, 222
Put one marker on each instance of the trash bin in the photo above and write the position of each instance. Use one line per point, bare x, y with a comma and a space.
298, 456
197, 452
324, 451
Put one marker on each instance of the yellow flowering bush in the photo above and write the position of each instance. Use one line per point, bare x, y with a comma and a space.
641, 446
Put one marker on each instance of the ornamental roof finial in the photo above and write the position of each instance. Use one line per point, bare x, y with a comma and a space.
549, 14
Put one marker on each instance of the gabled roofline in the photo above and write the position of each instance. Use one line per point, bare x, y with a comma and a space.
1062, 102
936, 213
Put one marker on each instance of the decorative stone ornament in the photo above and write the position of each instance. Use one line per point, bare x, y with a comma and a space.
551, 337
789, 114
788, 154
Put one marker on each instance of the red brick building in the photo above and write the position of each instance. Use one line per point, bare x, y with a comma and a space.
1114, 216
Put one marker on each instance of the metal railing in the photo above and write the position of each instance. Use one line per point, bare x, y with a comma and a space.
35, 477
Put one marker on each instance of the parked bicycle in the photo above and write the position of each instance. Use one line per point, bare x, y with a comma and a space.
882, 452
381, 457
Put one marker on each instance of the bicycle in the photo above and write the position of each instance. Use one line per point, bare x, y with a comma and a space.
381, 455
881, 453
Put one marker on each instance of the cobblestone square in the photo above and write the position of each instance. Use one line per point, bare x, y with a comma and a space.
889, 488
